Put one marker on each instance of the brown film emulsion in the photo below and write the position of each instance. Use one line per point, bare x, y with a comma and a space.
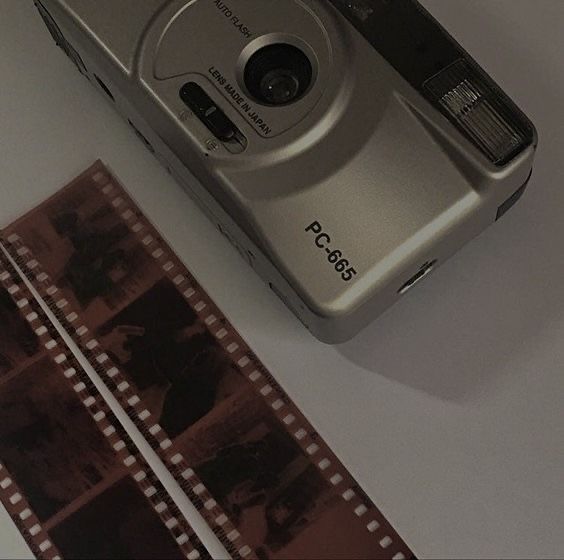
70, 477
266, 482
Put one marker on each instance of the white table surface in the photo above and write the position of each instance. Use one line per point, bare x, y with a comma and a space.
449, 408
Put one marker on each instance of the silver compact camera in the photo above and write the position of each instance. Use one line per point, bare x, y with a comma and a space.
345, 147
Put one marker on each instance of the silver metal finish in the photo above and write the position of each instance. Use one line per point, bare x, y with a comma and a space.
362, 157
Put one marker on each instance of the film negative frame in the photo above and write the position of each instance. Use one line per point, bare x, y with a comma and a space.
243, 358
118, 439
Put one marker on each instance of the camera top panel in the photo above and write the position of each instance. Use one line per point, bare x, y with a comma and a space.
116, 25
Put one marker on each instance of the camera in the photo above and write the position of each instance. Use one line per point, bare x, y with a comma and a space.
346, 148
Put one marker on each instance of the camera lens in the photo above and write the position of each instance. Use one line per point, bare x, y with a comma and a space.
279, 87
278, 74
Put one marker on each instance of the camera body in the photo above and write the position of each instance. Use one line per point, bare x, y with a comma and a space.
344, 147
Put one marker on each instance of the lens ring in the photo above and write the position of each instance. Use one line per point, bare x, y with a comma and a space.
278, 74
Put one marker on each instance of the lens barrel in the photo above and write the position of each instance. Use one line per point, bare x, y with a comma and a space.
278, 74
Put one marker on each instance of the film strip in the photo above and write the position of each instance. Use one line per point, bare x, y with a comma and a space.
25, 518
184, 542
248, 459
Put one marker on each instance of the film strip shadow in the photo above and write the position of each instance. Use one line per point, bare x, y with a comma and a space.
107, 423
289, 417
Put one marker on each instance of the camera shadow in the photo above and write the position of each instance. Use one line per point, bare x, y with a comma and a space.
485, 312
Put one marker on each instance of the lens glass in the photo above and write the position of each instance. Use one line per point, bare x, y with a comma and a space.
278, 74
279, 86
